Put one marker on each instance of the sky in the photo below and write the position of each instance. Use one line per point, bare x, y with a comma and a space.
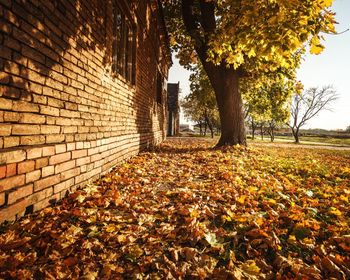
331, 67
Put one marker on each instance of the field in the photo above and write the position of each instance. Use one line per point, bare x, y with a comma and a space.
188, 211
316, 140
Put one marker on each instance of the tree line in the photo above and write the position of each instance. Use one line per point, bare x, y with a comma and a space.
267, 107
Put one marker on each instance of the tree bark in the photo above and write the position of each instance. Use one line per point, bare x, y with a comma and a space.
210, 125
225, 82
253, 129
223, 78
296, 135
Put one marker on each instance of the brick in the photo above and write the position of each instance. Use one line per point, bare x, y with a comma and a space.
2, 199
64, 121
12, 182
33, 176
26, 166
9, 213
45, 202
49, 82
39, 99
2, 171
23, 106
63, 186
41, 162
5, 129
47, 171
60, 148
5, 104
79, 154
70, 173
59, 158
32, 118
11, 18
19, 193
70, 146
50, 129
79, 145
11, 169
55, 138
12, 43
34, 153
70, 129
64, 166
40, 195
32, 140
48, 151
5, 52
33, 54
53, 102
93, 151
83, 161
12, 68
5, 26
36, 88
46, 182
10, 142
4, 79
24, 129
12, 156
47, 110
69, 114
11, 116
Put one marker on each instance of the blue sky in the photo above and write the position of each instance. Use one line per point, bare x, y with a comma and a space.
331, 67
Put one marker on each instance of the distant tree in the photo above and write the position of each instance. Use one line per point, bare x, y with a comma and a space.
307, 105
268, 105
200, 104
348, 128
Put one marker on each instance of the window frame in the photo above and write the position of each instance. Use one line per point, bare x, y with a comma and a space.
124, 43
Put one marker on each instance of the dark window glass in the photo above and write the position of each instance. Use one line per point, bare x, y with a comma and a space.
159, 87
124, 45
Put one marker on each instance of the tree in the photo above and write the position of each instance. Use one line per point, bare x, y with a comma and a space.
234, 39
268, 103
200, 105
307, 105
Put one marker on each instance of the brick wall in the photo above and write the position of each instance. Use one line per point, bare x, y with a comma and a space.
65, 117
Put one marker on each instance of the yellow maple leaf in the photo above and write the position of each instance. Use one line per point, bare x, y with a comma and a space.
241, 199
315, 46
335, 211
325, 3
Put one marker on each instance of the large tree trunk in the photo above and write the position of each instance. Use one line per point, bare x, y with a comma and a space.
225, 82
223, 78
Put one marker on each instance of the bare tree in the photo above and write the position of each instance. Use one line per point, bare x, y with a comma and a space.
307, 105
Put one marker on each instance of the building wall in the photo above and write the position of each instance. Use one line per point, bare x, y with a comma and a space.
173, 119
65, 117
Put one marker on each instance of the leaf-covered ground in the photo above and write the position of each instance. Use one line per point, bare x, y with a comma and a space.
186, 211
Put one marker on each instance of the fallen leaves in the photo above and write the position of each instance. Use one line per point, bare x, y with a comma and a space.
188, 211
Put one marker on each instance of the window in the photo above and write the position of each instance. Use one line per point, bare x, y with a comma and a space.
159, 88
124, 44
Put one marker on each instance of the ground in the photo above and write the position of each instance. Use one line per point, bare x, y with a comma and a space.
188, 211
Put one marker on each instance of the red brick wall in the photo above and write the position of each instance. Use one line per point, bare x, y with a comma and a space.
64, 116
